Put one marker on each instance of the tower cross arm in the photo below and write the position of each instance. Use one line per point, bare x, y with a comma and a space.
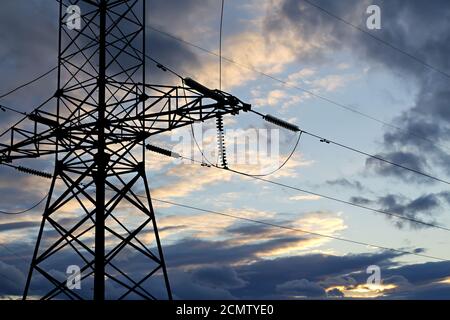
166, 108
34, 136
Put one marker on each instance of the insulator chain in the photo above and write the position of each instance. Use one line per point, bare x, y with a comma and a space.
281, 123
221, 141
162, 151
34, 172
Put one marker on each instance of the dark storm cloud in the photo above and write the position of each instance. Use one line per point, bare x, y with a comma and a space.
422, 273
185, 287
417, 27
345, 280
278, 278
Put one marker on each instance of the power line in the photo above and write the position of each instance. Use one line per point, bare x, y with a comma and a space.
25, 115
253, 176
270, 224
292, 228
308, 133
384, 42
306, 191
350, 203
161, 66
26, 210
4, 108
322, 139
296, 87
385, 212
220, 45
376, 157
285, 161
335, 199
39, 77
165, 68
28, 83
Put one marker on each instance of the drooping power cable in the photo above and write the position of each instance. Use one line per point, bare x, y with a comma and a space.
26, 210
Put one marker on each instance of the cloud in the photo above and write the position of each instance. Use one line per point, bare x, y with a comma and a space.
264, 277
330, 82
425, 125
423, 208
343, 182
218, 277
189, 180
406, 159
422, 204
301, 289
188, 288
282, 98
301, 75
249, 48
15, 226
361, 200
11, 280
305, 198
257, 237
207, 270
273, 99
255, 266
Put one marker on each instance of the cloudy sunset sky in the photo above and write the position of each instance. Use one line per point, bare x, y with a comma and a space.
400, 101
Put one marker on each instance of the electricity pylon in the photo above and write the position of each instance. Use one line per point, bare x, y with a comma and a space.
96, 126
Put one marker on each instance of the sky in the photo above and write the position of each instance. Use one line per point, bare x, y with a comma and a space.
217, 257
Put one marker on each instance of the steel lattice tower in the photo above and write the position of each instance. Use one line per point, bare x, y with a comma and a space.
97, 125
94, 65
